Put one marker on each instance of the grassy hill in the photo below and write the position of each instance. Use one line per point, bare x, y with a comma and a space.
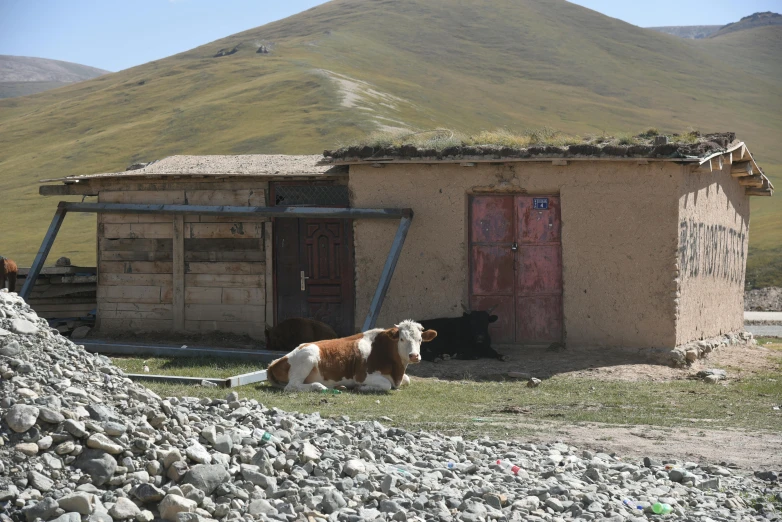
688, 31
750, 22
348, 67
22, 75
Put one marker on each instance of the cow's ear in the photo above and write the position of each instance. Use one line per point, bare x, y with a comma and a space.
493, 318
428, 335
393, 333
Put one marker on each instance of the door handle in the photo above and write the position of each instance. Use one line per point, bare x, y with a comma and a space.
303, 277
514, 247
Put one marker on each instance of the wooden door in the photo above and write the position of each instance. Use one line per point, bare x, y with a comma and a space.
313, 268
516, 266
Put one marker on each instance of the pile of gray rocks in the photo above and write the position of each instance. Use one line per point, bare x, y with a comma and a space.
79, 441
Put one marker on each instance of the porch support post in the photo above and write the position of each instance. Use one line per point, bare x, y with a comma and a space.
43, 252
388, 272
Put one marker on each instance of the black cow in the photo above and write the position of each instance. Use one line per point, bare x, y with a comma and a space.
465, 337
290, 333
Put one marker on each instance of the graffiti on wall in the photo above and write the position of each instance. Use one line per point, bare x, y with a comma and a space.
708, 250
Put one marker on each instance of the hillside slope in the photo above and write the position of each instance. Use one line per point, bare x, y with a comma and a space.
22, 75
750, 22
694, 32
345, 68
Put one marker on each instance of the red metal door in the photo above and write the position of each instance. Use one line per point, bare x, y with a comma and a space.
516, 266
538, 270
492, 222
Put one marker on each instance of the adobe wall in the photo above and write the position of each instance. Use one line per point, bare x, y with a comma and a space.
619, 242
713, 238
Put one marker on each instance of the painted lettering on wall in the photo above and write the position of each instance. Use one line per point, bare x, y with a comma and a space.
714, 251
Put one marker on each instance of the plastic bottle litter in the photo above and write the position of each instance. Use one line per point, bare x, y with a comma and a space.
451, 465
661, 509
265, 436
507, 466
632, 505
330, 391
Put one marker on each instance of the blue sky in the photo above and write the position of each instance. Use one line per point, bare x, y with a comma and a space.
117, 34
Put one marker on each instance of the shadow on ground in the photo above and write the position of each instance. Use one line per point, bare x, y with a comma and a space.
539, 362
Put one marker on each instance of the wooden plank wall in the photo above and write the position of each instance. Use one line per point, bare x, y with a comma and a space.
187, 273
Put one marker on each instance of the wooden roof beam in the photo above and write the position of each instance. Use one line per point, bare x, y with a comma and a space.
741, 168
752, 181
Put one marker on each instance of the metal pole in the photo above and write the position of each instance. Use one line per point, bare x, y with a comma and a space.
388, 272
281, 212
43, 252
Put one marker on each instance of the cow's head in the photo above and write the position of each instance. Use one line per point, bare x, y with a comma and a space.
409, 335
479, 322
270, 341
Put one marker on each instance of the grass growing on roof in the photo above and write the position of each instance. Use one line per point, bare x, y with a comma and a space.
440, 139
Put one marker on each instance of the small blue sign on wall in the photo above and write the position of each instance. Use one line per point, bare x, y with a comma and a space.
540, 203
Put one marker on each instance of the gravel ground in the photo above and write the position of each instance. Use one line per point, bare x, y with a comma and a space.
82, 442
764, 299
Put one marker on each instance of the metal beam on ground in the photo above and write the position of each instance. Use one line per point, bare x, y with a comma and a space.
108, 347
246, 378
43, 252
175, 379
388, 272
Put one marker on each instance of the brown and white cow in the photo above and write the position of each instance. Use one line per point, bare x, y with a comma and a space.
375, 360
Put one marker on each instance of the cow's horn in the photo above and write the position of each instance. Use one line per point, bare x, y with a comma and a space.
465, 308
490, 310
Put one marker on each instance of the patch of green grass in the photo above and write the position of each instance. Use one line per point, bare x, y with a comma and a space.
216, 367
483, 407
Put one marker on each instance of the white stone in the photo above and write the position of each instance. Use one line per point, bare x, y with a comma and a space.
309, 453
353, 467
22, 326
27, 448
123, 509
80, 502
102, 442
27, 393
173, 504
21, 417
198, 453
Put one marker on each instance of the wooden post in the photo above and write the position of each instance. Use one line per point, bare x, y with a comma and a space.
43, 252
269, 250
178, 259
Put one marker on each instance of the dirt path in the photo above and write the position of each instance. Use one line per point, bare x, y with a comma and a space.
749, 451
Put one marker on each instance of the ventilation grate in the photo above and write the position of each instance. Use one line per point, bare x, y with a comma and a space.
311, 196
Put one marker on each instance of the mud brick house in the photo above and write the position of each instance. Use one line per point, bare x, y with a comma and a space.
595, 244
